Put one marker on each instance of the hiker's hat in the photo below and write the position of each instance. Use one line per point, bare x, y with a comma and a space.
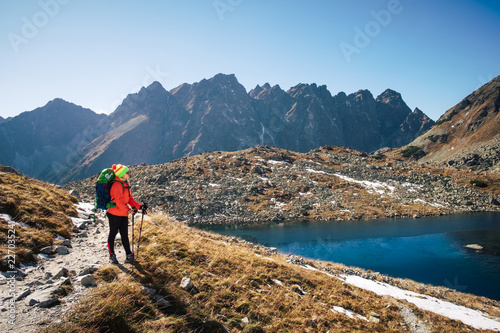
119, 170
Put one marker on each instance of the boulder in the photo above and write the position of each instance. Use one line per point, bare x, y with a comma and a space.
88, 270
46, 250
75, 193
61, 249
162, 302
43, 298
186, 284
87, 280
23, 294
62, 272
148, 291
476, 247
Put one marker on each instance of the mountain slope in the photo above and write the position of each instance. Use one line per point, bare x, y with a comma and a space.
330, 183
468, 134
145, 127
221, 116
38, 142
41, 213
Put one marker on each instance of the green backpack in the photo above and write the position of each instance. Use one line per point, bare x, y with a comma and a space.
103, 189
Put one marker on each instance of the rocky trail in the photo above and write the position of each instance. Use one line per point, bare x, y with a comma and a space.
45, 291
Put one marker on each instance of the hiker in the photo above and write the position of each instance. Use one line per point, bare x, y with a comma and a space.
124, 204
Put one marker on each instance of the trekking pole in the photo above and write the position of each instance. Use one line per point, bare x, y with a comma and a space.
139, 239
133, 232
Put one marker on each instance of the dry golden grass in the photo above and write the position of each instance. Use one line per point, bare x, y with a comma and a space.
42, 206
234, 280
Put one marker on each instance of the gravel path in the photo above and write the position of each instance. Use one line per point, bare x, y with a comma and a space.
39, 286
414, 323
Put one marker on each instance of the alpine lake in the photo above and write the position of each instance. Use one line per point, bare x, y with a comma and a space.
428, 250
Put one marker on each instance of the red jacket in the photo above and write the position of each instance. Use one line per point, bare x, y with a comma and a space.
122, 197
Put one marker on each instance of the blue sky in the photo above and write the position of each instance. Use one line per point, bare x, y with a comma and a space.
93, 53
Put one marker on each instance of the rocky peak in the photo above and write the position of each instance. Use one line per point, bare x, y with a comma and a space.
266, 86
265, 89
155, 86
144, 101
223, 79
58, 105
321, 92
389, 96
419, 112
254, 93
340, 97
2, 119
269, 93
362, 95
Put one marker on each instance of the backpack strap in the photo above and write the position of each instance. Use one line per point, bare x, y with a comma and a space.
112, 204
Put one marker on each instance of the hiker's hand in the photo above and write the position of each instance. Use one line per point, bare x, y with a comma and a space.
130, 212
135, 210
144, 208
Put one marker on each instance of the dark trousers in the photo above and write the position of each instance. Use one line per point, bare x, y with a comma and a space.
118, 223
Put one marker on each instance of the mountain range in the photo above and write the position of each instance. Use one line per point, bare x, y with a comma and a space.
468, 134
62, 142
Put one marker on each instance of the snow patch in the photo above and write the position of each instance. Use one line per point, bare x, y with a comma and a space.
379, 187
437, 205
348, 313
278, 204
10, 221
78, 221
316, 171
474, 318
278, 282
277, 162
85, 207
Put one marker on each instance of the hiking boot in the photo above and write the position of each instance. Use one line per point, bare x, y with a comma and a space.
113, 260
130, 259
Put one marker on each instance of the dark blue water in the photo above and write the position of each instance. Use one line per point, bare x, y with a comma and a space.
428, 250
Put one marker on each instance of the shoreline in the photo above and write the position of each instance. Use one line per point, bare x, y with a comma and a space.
246, 221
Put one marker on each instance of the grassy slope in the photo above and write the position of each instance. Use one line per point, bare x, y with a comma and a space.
223, 272
466, 125
43, 207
